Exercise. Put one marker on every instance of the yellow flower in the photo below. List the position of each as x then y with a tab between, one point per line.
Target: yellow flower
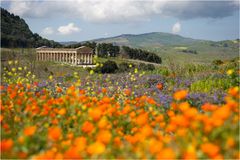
135	70
10	62
91	72
13	69
130	66
230	71
50	77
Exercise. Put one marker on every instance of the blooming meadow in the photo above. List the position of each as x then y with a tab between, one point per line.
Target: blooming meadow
128	115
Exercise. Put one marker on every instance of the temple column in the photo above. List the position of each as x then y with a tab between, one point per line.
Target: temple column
75	58
88	58
59	57
81	58
91	58
71	58
68	60
65	57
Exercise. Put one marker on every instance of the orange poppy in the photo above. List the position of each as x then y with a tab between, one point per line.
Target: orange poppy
210	149
95	113
180	95
159	86
6	145
104	136
29	131
87	127
96	148
54	133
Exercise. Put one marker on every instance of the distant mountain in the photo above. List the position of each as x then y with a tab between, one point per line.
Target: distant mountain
68	43
148	39
16	33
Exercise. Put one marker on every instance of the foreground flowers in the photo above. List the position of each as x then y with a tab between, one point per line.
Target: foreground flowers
37	124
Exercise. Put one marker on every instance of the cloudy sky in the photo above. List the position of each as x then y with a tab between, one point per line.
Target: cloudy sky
79	20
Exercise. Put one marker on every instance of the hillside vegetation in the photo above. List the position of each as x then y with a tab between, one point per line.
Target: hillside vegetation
181	49
16	33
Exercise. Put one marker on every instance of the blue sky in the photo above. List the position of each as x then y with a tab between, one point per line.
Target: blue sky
79	20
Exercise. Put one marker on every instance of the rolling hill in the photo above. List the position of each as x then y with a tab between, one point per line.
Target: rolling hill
178	48
148	39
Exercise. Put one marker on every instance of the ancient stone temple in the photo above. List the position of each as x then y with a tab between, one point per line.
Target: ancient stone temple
78	56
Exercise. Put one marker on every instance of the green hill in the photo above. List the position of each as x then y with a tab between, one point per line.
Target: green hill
16	33
148	39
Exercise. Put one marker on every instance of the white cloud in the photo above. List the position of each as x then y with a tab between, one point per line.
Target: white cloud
116	11
176	28
68	29
47	31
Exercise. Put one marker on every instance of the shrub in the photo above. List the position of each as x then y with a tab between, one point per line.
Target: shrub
109	67
123	67
146	67
150	67
217	62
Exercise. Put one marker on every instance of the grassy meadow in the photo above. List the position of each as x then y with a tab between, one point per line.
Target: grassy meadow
187	110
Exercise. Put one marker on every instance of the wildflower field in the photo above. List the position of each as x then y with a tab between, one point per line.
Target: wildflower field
136	114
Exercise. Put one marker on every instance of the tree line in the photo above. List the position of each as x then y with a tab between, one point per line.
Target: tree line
143	55
111	50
